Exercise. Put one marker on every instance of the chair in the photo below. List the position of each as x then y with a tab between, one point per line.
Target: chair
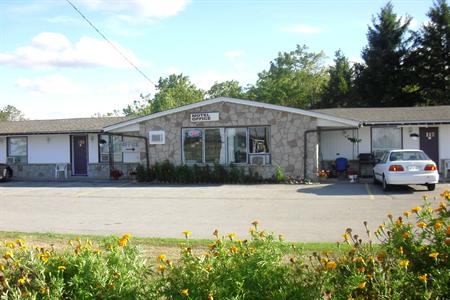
446	167
341	164
60	168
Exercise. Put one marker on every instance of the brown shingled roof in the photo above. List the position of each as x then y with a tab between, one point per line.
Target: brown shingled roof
58	125
380	115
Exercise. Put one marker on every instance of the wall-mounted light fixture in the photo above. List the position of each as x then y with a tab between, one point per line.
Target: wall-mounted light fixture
414	136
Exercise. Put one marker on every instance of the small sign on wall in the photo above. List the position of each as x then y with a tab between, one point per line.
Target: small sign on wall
205	117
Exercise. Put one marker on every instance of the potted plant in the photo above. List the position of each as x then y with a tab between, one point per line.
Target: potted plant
116	174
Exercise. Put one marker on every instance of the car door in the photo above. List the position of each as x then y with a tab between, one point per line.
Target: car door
378	170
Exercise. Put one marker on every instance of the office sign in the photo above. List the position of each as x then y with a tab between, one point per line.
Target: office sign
205	117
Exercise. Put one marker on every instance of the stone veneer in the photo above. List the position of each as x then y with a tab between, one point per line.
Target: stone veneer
47	171
286	135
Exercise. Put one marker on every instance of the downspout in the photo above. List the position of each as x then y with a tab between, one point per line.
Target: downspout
305	142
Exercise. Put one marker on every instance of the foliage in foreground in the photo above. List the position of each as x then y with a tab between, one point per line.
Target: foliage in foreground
411	262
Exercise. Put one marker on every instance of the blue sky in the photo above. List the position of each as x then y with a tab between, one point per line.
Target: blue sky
53	65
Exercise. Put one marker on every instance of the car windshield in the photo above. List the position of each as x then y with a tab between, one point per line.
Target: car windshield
408	155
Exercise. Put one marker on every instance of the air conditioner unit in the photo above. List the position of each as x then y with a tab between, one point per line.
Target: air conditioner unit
11	160
259	160
104	157
156	137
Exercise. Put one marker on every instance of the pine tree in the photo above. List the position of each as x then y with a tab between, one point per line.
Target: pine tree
383	78
430	59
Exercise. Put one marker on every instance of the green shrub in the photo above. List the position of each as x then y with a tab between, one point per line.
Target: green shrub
279	174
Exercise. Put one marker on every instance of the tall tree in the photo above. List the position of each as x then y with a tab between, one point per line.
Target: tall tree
11	113
172	92
338	91
295	79
430	59
230	88
383	79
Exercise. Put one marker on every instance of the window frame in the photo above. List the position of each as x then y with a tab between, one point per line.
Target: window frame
227	159
99	149
383	127
8	150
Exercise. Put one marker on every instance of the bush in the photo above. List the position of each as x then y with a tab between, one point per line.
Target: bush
411	261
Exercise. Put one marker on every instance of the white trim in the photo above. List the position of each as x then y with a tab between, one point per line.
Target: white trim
234	101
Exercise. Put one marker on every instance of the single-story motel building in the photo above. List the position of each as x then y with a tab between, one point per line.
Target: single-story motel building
224	131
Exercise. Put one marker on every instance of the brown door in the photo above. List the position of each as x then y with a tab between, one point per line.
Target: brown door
79	154
429	142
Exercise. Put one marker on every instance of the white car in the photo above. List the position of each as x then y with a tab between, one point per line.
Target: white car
403	167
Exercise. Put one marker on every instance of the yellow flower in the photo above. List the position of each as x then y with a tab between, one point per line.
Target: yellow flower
2	267
161	257
362	285
187	233
434	255
400	250
346	236
161	268
231	236
210	296
20	242
8	254
405	235
437	225
331	265
45	290
234	250
423	278
399	221
404	263
123	241
184	292
416	209
21	281
407	213
61	268
421	224
10	245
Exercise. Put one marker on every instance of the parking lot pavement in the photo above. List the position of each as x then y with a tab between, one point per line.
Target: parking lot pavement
306	213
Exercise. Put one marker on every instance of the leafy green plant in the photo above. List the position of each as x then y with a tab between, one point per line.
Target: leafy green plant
279	174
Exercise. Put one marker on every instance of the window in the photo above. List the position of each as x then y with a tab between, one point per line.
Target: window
103	145
237	145
408	155
385	139
215	151
193	145
226	145
17	149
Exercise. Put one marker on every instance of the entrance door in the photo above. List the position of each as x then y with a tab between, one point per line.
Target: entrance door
429	142
79	154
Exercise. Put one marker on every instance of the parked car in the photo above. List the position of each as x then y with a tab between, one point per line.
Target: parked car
403	167
5	172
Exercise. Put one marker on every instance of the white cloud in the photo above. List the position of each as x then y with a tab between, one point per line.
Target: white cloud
49	49
302	28
148	8
53	84
234	53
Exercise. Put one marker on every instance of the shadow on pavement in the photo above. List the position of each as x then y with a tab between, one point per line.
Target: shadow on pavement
358	189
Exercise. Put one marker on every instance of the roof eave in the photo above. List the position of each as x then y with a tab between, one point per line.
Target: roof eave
50	132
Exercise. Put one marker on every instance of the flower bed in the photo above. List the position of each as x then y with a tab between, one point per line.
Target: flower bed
411	261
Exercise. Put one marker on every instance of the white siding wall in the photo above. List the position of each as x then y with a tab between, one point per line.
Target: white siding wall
365	145
46	149
2	149
334	144
408	142
444	143
93	148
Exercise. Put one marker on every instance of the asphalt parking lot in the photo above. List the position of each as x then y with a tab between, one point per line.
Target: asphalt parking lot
305	213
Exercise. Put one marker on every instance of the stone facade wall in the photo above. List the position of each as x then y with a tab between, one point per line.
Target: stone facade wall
47	171
286	130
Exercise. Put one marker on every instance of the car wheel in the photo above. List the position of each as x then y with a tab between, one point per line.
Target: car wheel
431	186
386	186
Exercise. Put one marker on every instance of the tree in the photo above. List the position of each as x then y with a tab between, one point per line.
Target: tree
172	92
295	79
11	113
229	88
338	91
383	80
430	59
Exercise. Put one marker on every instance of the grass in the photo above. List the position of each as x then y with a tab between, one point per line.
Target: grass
151	247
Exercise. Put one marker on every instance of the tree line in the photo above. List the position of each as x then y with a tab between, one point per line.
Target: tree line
400	67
